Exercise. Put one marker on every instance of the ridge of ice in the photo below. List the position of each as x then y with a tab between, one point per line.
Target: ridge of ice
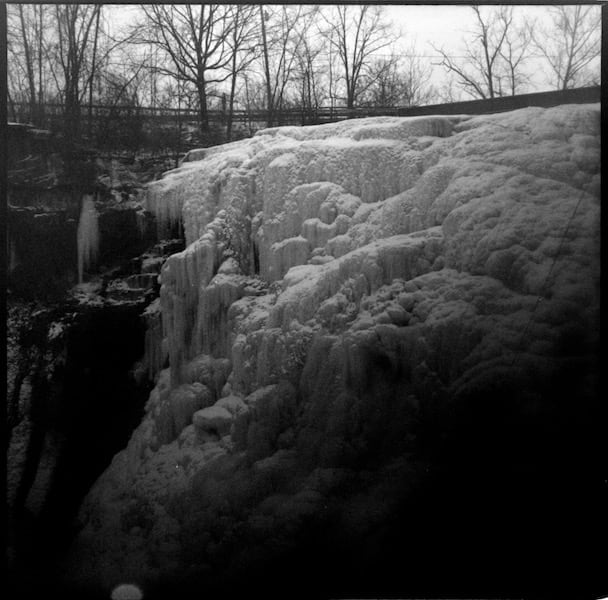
449	247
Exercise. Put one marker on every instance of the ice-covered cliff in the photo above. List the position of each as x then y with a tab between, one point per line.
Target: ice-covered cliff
366	315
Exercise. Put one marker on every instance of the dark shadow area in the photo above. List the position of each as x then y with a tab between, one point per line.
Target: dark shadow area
93	406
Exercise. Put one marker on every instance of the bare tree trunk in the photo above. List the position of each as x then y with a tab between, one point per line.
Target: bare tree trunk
40	44
76	21
196	44
269	99
331	81
203	110
11	104
92	77
356	33
231	100
249	119
179	124
350	98
153	81
28	64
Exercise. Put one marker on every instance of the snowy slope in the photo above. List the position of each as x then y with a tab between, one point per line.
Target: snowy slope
344	288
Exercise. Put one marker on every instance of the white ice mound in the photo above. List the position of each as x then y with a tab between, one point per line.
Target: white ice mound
340	283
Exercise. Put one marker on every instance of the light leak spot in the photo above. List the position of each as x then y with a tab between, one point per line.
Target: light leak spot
126	591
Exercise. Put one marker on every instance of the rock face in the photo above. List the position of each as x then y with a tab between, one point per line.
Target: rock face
382	339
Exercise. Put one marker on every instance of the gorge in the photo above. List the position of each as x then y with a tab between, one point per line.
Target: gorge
375	369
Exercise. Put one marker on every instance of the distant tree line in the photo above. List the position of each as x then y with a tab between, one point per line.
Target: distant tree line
498	52
274	57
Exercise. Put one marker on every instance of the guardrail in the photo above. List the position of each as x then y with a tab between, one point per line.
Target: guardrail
586	95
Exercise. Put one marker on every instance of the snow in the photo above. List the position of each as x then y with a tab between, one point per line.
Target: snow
214	419
402	263
56	330
233	404
87	236
403	256
288	159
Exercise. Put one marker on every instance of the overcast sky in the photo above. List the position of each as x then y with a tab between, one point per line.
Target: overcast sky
445	26
424	21
447	23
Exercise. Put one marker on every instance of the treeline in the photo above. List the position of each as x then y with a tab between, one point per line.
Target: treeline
272	58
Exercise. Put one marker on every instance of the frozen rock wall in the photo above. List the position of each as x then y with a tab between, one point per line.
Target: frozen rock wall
348	292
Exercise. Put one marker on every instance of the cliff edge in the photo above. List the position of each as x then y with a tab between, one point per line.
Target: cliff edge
381	342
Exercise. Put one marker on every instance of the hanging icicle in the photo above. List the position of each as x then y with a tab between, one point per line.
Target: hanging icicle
88	236
141	222
165	203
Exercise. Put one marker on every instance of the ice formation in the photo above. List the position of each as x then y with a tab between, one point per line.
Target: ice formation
341	283
165	201
155	353
88	236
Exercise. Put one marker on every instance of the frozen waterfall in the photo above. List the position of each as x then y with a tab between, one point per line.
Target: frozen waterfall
88	236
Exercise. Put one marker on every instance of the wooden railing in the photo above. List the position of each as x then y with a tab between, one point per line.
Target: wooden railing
110	124
19	111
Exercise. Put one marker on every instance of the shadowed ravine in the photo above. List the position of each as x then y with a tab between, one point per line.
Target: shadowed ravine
78	420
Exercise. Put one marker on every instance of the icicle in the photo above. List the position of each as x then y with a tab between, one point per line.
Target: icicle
155	355
140	221
165	202
88	236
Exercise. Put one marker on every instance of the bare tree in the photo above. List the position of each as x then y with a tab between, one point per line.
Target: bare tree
311	86
284	29
74	28
93	68
480	72
243	44
331	64
417	74
60	54
195	38
396	81
384	84
26	34
29	60
515	52
308	75
448	92
571	45
80	58
356	33
266	55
